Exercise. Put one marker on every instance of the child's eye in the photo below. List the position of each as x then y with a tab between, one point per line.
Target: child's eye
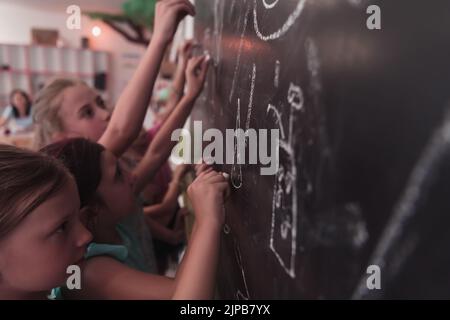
87	113
100	102
62	228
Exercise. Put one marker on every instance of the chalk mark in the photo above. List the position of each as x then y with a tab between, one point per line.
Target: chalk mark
239	294
238	59
417	188
284	202
250	102
286	26
236	169
269	5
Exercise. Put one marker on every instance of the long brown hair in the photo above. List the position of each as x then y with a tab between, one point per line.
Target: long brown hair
27	179
83	159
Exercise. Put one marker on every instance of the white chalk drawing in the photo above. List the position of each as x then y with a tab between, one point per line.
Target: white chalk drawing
295	97
226	229
277	116
270	5
239	294
250	102
206	45
283	233
418	186
283	29
218	28
236	169
239	53
276	80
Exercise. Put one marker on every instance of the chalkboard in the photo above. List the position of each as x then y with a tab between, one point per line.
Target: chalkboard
364	168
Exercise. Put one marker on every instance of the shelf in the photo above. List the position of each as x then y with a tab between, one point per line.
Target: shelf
32	66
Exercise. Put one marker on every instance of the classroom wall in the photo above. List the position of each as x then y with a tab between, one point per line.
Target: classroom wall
17	20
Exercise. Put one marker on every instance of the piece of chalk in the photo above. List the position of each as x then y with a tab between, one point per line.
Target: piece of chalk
208	160
225	175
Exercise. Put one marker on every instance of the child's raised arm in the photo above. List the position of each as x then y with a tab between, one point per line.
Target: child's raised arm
161	146
128	116
197	273
184	54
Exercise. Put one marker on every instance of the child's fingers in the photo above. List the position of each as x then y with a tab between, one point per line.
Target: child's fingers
210	174
202	166
182	11
201	175
187	46
224	188
205	67
215	179
218	177
183	212
185	4
205	170
195	62
206	174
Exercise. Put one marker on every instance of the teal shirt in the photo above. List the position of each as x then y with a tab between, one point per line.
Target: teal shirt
118	252
136	251
136	237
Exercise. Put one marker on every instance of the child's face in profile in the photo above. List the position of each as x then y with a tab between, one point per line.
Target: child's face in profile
35	255
116	188
83	113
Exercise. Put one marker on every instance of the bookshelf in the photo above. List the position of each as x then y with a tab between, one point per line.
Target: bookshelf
30	67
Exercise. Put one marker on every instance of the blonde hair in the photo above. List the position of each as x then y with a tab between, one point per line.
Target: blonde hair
27	179
46	110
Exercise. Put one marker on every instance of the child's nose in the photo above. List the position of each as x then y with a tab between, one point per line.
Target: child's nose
106	116
84	235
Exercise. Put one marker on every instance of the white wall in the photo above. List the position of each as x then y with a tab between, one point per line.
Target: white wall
17	20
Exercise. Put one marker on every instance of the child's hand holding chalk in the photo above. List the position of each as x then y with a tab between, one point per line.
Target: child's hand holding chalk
208	193
168	15
196	74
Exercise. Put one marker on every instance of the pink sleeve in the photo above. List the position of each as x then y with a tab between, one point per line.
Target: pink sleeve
151	133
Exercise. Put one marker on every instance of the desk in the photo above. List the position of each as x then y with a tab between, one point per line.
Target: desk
21	140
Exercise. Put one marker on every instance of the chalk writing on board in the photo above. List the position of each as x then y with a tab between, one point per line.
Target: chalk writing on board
239	53
230	12
421	179
269	5
218	28
206	46
250	102
236	169
239	294
283	29
226	229
283	233
276	80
